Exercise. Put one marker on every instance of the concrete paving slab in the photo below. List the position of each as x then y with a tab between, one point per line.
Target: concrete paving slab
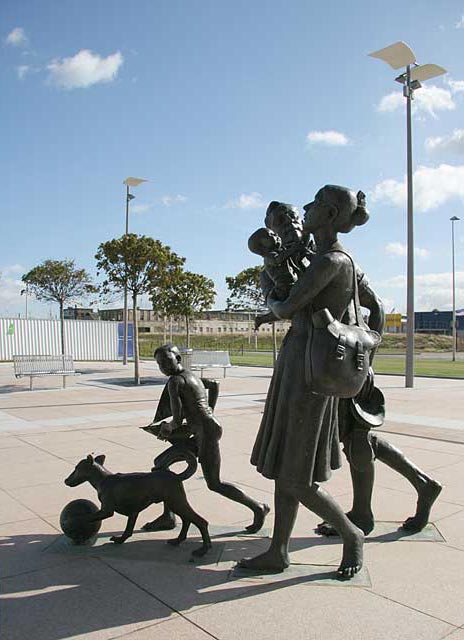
94	415
402	572
20	474
177	629
141	547
11	510
325	575
78	600
288	608
22	546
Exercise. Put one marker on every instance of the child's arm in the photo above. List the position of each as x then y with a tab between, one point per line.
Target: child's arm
174	385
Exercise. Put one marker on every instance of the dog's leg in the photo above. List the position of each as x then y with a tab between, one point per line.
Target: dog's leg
129	530
189	515
182	535
202	525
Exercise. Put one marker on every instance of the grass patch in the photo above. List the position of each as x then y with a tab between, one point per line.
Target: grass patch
423	367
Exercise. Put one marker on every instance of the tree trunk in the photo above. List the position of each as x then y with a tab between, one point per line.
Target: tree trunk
165	329
135	334
187	327
62	328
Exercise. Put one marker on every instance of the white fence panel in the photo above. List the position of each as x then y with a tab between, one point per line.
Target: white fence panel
85	339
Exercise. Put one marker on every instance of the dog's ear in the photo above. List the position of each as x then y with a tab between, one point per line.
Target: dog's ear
90	458
100	459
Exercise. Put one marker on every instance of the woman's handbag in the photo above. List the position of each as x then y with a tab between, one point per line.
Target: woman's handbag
337	355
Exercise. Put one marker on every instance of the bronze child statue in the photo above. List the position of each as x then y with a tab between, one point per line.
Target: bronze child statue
188	399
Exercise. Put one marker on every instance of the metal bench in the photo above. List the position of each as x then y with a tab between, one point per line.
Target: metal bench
202	360
33	366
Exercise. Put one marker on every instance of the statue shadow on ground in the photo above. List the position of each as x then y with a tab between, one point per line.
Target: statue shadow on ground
69	594
129	382
53	589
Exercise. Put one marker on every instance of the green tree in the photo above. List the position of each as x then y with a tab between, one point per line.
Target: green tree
136	262
245	290
59	281
184	294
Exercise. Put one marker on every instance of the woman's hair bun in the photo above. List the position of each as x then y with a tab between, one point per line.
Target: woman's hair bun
360	215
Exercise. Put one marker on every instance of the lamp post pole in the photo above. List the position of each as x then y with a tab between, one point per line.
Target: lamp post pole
125	312
410	237
453	220
400	55
129	182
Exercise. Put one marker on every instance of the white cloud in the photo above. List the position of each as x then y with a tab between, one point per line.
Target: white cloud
22	70
453	142
84	69
17	37
399	249
433	290
169	200
456	86
10	288
391	102
427	100
12	269
329	138
141	208
433	187
246	201
460	23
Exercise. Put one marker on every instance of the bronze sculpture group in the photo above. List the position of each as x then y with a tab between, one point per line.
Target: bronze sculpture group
322	393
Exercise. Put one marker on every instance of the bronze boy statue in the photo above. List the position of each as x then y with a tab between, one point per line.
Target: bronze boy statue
189	400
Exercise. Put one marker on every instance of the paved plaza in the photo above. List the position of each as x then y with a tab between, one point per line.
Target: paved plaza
411	587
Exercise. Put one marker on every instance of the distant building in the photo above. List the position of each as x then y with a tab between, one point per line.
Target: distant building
78	313
206	322
440	322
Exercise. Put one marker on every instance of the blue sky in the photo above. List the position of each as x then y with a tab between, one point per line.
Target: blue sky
224	106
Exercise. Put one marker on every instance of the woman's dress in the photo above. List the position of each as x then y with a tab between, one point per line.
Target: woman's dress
298	437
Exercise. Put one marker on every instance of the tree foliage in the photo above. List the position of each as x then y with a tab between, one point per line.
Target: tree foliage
245	290
59	281
183	294
136	263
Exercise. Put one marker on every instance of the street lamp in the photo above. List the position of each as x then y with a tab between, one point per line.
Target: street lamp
26	292
453	220
129	182
400	55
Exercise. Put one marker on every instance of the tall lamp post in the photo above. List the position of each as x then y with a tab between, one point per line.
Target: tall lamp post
453	220
400	55
129	182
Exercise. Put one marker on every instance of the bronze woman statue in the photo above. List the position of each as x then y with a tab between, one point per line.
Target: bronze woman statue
297	444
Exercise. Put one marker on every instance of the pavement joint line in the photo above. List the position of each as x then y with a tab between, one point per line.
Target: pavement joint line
410	607
148	626
450	546
36	446
420	437
38	516
183	616
79	404
448	516
30	571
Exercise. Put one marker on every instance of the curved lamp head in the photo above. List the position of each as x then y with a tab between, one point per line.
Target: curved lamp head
397	55
134	182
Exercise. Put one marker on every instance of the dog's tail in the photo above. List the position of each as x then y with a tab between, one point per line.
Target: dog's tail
176	454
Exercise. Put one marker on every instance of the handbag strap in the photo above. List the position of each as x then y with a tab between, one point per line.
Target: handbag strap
357	304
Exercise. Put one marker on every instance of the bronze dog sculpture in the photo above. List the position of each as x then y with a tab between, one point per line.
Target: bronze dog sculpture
131	493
